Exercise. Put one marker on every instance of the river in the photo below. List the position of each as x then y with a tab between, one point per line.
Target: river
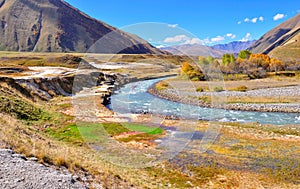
134	98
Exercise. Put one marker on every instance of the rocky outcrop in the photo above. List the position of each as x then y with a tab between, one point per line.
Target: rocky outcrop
45	88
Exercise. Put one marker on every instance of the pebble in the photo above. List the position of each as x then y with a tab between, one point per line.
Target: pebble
17	172
294	91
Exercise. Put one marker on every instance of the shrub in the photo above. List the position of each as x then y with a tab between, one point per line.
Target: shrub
241	88
199	89
244	54
161	85
195	79
218	89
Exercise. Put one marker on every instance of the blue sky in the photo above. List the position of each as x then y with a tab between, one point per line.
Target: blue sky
167	22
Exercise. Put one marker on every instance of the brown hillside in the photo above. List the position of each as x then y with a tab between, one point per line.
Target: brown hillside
281	41
55	26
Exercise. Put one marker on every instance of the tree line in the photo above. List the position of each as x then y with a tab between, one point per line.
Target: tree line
252	65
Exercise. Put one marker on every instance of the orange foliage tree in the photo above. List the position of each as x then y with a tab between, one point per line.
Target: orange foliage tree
191	72
276	65
260	60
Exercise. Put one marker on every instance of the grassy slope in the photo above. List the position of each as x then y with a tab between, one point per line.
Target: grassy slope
289	51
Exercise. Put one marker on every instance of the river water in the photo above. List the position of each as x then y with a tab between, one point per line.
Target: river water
134	98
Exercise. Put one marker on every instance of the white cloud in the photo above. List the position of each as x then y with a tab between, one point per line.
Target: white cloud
217	39
206	41
278	17
193	41
172	25
160	46
183	39
232	36
254	20
176	39
246	20
248	37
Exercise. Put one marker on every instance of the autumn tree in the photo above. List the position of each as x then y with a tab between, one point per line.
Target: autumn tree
260	60
193	73
244	54
275	65
186	67
205	60
227	59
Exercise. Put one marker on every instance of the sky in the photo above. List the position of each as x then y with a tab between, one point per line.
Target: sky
173	22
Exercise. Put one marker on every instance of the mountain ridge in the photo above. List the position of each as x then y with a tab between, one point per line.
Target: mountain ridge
280	40
202	50
234	46
56	26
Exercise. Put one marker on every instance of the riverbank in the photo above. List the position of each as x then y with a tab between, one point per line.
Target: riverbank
17	171
206	99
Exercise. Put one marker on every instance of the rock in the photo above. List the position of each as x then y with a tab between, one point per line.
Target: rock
33	159
6	151
19	156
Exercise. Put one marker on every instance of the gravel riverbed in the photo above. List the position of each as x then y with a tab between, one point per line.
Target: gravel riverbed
16	171
292	91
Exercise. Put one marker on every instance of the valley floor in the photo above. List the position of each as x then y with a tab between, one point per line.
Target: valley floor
243	155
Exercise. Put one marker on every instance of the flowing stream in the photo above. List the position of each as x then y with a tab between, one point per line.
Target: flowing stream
134	98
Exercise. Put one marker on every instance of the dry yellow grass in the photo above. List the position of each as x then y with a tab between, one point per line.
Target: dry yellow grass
250	84
255	100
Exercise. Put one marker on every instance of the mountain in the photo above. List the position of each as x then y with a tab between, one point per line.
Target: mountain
234	47
194	50
282	41
214	51
56	26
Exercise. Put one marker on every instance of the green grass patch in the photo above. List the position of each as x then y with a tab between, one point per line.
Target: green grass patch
80	133
69	133
143	128
98	132
114	128
22	109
